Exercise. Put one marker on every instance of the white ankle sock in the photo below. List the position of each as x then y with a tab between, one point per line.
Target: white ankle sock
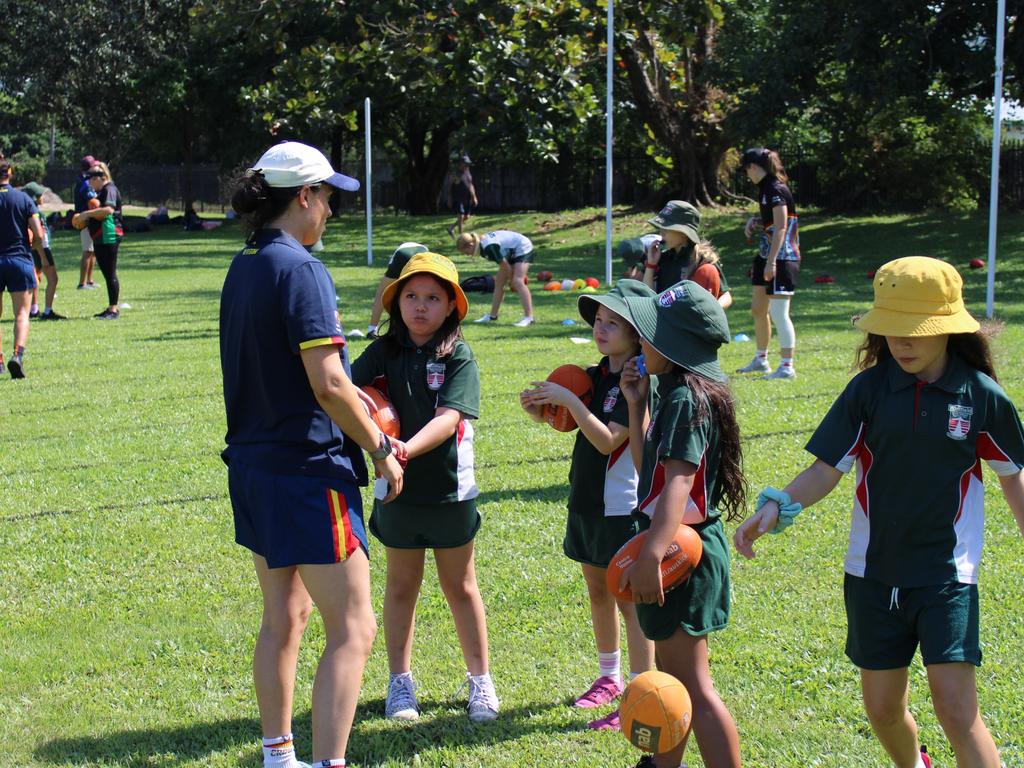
279	752
762	354
609	664
337	762
787	362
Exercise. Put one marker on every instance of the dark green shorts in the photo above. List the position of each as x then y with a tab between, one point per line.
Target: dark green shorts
701	603
524	258
595	540
411	526
886	624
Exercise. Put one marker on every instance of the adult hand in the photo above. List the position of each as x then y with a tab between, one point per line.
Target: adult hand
392	471
769	272
644	579
755	527
750	226
633	386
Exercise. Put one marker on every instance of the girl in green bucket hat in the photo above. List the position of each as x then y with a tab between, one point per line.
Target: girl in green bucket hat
917	422
689	458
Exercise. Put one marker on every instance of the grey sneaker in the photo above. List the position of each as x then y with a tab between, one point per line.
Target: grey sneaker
483	701
782	372
401	702
485	319
757	365
523	322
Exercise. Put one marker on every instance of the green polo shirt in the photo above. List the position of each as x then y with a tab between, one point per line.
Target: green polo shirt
600	485
678	431
418	383
918	512
401	257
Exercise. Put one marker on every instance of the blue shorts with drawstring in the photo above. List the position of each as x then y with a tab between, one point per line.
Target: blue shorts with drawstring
16	274
885	624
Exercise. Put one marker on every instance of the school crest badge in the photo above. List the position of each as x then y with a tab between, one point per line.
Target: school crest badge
610	400
672	295
959	422
435	375
650	427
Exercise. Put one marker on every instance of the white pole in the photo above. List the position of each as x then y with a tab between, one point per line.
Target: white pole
608	147
369	186
993	202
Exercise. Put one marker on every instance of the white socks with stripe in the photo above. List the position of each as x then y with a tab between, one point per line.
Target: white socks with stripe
787	362
279	752
609	664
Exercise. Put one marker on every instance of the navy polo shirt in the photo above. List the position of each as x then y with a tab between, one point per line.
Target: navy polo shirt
16	208
278	300
918	449
83	194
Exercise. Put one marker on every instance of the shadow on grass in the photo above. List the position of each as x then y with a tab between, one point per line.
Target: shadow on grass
373	740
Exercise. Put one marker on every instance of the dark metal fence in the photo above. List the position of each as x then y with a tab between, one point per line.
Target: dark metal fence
508	187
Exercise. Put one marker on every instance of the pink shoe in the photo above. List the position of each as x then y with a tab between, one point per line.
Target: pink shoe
604	690
609	722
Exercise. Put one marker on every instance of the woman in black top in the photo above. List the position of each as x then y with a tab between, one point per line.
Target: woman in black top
777	263
107	230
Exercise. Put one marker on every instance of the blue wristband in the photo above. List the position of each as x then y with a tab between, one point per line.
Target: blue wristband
788	509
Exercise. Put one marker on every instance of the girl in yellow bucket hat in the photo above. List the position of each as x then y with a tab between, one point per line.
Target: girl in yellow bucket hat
427	370
917	422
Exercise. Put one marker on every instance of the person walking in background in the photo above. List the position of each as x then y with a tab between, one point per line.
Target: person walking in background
461	194
513	253
107	230
777	263
83	194
45	264
396	264
18	217
296	425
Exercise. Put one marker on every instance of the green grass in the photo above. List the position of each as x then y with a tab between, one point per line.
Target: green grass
129	614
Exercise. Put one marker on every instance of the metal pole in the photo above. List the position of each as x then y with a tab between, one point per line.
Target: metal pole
608	146
993	201
369	185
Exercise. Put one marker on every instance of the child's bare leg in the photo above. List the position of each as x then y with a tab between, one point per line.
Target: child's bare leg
519	273
504	273
686	658
602	610
955	697
402	590
762	324
885	701
641	650
457	574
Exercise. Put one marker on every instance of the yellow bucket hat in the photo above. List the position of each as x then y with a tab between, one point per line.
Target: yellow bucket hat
918	296
430	264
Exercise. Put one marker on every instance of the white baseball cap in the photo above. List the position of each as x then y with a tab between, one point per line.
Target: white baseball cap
294	164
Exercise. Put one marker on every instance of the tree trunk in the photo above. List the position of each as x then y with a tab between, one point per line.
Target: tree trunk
691	136
426	149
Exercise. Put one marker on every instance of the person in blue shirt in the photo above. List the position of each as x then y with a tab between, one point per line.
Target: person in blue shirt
18	217
296	427
83	194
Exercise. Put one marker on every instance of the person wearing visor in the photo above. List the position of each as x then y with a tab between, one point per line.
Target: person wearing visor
297	426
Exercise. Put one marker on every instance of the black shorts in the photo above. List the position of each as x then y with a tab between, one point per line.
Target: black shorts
39	262
784	282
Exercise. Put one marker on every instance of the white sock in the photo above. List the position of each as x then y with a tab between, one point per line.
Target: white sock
279	752
787	362
337	762
762	354
920	763
609	664
371	329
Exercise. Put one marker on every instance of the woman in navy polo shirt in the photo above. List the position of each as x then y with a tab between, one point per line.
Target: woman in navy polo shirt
296	425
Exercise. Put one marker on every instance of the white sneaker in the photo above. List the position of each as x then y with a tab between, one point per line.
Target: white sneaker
757	365
483	701
782	372
485	319
401	702
523	323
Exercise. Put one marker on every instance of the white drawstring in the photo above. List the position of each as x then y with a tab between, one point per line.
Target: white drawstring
894	599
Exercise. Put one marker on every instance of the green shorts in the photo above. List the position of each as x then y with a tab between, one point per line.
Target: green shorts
595	540
413	526
701	603
886	624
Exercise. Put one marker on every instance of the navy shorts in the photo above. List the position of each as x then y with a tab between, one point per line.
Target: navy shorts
295	519
16	274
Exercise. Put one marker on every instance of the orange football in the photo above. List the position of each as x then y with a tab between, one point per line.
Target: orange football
576	380
384	416
680	559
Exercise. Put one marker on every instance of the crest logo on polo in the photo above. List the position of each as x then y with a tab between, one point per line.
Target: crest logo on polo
673	294
959	421
610	399
435	375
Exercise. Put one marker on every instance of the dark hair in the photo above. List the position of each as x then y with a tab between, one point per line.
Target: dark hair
5	167
972	348
259	203
714	399
447	336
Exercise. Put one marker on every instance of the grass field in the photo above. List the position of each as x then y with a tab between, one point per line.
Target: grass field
129	615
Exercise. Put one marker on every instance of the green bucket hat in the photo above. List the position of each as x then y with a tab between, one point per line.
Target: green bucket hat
686	324
33	190
680	216
587	305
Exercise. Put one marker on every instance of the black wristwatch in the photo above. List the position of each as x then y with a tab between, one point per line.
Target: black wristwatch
384	451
